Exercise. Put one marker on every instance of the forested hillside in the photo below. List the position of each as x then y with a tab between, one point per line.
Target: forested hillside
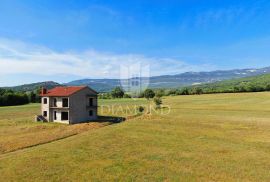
173	81
165	81
33	86
249	84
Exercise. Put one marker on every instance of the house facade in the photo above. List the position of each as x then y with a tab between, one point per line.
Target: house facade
68	105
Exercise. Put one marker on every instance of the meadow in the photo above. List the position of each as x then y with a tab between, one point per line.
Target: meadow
218	137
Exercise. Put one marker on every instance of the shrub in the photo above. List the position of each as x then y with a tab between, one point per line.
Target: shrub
140	109
149	93
158	102
127	96
160	93
117	92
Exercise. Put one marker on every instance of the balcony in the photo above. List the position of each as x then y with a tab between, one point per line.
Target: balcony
62	103
53	107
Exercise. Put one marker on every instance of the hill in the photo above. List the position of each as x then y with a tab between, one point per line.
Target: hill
175	81
248	84
164	81
100	85
33	86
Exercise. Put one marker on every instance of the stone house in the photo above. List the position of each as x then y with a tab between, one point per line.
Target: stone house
70	105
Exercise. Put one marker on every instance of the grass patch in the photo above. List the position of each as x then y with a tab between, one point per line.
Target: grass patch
223	137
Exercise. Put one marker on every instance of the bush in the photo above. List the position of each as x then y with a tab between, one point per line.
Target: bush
140	109
149	93
158	102
160	92
127	96
117	92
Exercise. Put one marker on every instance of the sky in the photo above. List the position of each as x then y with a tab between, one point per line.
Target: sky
42	40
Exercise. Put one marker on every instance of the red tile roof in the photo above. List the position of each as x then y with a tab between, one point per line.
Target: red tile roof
63	91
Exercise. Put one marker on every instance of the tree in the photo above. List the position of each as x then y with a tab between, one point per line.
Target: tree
32	97
172	92
178	92
197	91
160	92
158	102
251	88
149	93
185	91
117	92
10	99
267	87
2	91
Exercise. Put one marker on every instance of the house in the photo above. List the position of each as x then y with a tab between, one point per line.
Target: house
71	105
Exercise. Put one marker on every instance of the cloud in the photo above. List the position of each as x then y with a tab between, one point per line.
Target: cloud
21	58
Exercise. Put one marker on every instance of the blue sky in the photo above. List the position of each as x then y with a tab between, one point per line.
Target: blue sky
74	39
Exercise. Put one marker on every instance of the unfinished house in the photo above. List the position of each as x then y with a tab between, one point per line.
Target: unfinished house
68	105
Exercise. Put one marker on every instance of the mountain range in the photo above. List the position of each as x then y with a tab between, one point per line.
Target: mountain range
164	81
175	81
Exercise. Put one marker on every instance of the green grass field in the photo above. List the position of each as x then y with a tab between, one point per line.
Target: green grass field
221	137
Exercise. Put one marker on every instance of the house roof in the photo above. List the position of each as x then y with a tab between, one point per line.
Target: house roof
64	91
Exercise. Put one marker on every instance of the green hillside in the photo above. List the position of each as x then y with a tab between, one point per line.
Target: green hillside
248	84
155	82
33	86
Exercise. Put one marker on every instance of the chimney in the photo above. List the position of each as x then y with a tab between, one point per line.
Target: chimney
43	91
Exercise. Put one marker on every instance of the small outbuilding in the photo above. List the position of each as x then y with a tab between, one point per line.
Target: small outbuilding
68	104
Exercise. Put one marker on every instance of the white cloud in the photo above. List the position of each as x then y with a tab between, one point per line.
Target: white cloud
20	58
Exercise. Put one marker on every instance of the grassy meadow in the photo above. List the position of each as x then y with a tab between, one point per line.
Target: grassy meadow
219	137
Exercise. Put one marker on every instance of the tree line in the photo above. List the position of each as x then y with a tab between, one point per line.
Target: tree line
226	87
11	98
253	84
118	92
